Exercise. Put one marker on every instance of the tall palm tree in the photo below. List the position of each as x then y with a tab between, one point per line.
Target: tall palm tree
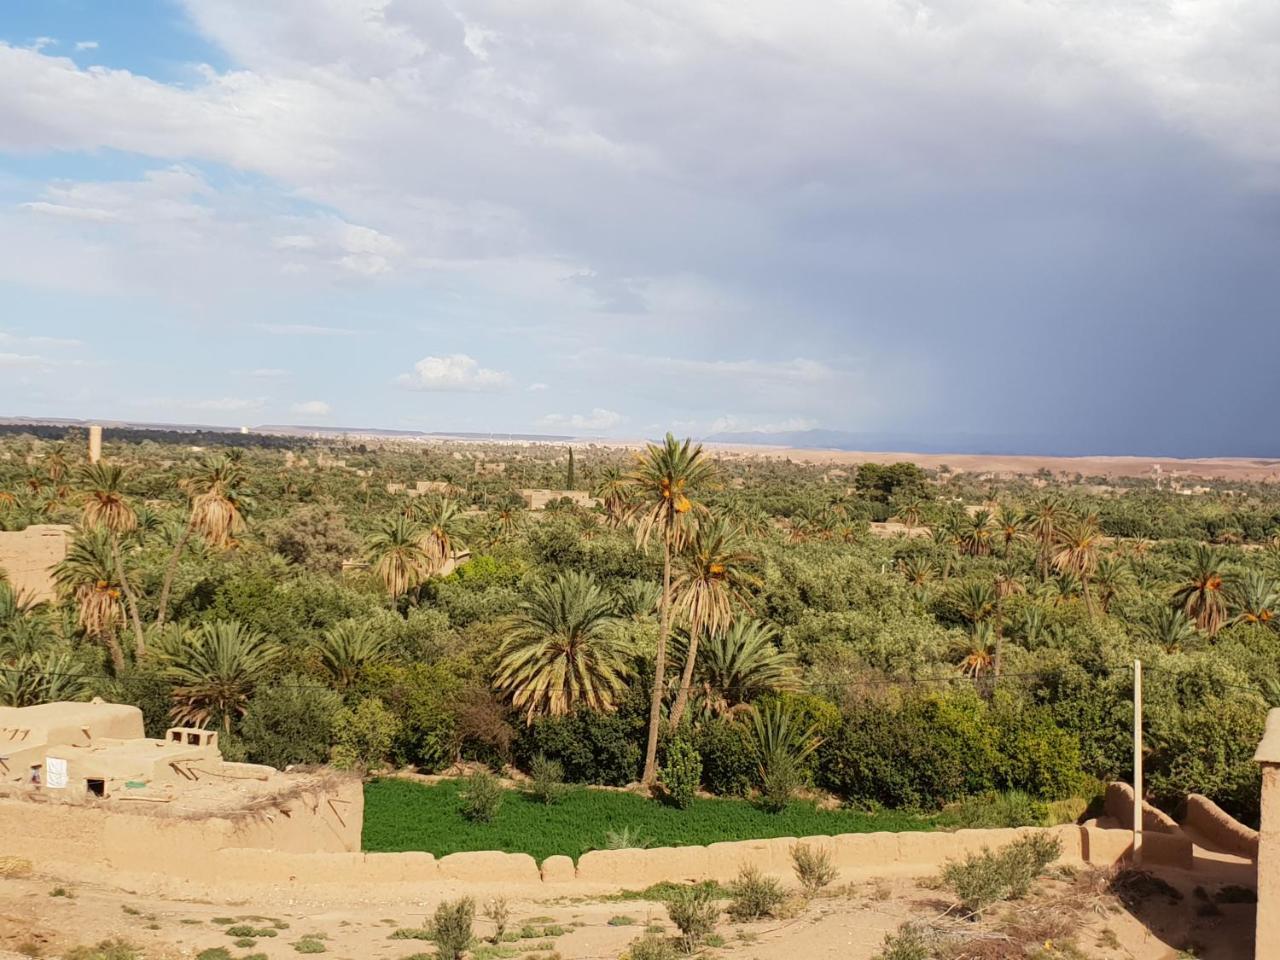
441	522
105	506
977	534
1011	526
712	572
664	477
1043	521
1203	593
217	505
214	670
741	664
398	558
910	512
1255	598
975	601
1110	578
347	648
559	652
612	490
1077	542
87	575
1006	584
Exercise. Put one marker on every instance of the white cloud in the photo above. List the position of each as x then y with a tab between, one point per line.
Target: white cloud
228	404
21	360
454	372
536	387
732	424
40	341
86	44
799	370
268	373
306	330
597	419
312	408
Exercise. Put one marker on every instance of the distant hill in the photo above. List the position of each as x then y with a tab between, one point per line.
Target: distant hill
891	442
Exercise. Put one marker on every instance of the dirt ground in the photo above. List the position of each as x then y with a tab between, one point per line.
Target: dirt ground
44	918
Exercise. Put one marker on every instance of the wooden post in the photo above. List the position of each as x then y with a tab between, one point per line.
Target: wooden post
1137	763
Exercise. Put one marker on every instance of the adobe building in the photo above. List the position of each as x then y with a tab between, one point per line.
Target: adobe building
97	755
538	499
28	557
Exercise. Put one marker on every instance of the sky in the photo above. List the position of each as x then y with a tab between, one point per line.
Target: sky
1050	220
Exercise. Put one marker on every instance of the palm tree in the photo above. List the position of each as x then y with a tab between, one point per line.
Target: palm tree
1006	584
1011	526
740	665
910	512
1169	627
917	569
87	575
638	599
975	601
976	535
105	507
612	490
664	477
1203	594
1255	598
214	670
783	742
1043	522
560	652
441	522
41	678
1077	541
1109	579
347	648
977	655
398	558
711	574
217	505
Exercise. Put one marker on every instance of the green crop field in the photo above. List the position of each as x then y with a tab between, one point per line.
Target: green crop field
402	815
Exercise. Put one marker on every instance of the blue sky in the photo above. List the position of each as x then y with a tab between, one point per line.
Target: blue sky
921	218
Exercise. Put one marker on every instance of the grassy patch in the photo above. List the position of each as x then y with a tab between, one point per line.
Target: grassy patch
401	815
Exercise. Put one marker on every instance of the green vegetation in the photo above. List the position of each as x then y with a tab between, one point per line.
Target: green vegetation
982	879
728	626
402	815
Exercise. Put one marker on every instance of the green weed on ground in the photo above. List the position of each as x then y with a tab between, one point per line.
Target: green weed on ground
401	815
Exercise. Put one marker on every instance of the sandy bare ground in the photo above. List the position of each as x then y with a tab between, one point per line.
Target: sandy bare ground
848	922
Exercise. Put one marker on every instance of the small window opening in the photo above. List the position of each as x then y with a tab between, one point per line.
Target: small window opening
175	736
193	739
97	787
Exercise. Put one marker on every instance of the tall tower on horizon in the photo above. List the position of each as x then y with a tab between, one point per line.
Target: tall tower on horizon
95	442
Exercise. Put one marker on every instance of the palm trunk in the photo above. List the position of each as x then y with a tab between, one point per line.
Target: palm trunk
999	655
686	681
650	774
139	641
170	570
1088	597
115	651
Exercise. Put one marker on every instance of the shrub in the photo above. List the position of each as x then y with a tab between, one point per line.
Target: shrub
982	879
592	747
451	927
626	838
498	912
481	797
1010	808
290	722
364	734
694	912
651	946
754	895
546	783
728	761
813	867
911	942
682	772
784	739
105	950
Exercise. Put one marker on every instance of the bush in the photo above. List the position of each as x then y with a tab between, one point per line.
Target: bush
651	946
290	722
694	912
1010	808
755	895
813	867
451	927
497	911
682	772
982	879
546	783
592	747
481	797
911	942
728	760
364	735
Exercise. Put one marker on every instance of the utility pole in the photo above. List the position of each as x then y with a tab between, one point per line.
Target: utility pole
1137	763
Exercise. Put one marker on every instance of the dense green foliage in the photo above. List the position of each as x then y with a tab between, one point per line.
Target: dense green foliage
402	815
290	593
